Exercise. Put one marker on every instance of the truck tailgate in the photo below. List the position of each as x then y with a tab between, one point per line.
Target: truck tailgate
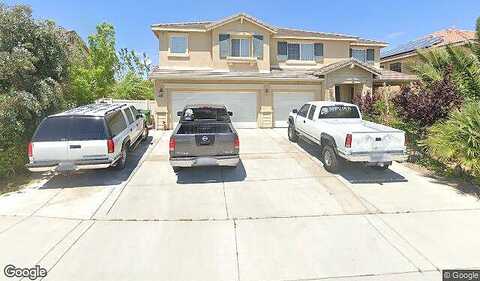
204	140
377	138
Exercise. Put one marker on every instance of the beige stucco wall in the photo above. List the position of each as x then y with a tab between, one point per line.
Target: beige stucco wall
403	61
356	76
238	27
264	91
199	51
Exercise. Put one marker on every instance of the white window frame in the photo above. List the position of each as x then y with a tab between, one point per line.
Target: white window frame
363	50
250	46
170	53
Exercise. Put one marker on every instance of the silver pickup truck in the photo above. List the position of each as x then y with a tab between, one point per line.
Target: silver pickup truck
204	136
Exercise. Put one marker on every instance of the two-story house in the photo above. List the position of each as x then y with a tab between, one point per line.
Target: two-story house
399	58
259	71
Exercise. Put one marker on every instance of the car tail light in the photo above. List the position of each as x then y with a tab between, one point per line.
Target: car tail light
236	143
172	144
30	149
110	146
348	141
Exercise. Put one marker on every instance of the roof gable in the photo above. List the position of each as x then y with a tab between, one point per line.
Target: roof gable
241	17
347	63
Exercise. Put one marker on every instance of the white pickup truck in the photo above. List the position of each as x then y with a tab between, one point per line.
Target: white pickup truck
339	130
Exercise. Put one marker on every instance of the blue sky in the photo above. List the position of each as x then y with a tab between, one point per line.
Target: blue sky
391	21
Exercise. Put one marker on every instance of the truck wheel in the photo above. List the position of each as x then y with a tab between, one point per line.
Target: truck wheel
176	169
330	159
292	134
383	166
123	158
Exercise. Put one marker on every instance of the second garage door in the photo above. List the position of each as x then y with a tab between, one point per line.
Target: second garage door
243	105
283	103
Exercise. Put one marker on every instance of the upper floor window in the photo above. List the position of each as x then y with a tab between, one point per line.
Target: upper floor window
246	47
396	66
299	51
240	47
178	44
363	55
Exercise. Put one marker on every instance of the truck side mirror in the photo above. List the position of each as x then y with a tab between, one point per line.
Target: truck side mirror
139	116
179	113
294	110
230	113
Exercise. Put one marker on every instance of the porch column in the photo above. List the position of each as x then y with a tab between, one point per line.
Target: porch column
161	110
265	118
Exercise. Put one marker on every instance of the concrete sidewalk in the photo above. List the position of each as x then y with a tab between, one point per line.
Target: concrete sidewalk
277	216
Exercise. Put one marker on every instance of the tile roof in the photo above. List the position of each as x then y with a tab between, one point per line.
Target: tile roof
279	31
209	74
344	63
435	39
389	75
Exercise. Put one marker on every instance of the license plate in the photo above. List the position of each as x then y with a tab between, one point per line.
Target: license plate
64	167
206	161
380	157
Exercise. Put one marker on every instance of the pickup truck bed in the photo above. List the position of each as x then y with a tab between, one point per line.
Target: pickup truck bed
204	143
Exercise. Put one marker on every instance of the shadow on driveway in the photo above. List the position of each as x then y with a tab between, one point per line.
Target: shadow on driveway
356	172
211	174
101	177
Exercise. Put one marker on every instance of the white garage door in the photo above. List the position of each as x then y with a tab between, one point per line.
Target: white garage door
243	105
283	103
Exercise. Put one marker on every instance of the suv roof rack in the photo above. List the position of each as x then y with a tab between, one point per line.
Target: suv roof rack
97	109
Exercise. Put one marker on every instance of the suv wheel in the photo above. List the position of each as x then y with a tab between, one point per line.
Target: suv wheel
123	158
330	159
292	134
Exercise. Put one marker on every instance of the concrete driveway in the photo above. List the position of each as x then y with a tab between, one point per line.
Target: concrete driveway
277	216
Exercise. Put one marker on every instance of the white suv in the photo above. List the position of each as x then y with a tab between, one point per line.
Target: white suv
93	136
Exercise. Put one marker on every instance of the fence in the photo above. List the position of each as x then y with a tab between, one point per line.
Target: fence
149	105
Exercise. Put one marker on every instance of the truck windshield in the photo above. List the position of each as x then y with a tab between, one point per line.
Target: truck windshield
338	111
206	113
67	128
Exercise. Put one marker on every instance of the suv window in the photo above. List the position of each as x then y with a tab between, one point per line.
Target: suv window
128	112
116	123
311	112
303	111
87	128
75	128
53	129
134	111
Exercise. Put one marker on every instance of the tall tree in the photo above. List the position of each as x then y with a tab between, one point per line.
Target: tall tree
96	77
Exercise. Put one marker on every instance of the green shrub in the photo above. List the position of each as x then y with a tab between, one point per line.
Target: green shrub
457	139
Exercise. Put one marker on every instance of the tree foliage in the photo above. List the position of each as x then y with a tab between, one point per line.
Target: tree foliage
458	138
425	106
34	63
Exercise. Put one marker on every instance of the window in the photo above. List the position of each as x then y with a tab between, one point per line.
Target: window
359	54
311	112
293	51
370	55
87	128
338	111
304	110
71	128
258	46
178	44
129	115
116	123
297	51
306	52
397	66
224	44
134	111
240	47
53	129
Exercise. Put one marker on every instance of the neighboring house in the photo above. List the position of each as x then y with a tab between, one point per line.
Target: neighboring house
259	71
397	59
